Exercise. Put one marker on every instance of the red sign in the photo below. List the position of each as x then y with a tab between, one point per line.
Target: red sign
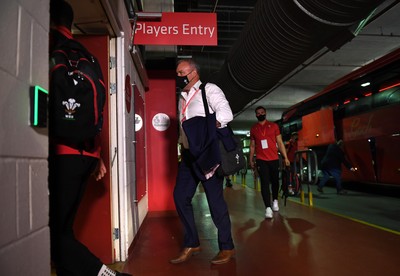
178	29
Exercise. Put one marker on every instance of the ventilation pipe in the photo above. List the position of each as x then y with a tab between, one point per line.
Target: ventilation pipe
281	35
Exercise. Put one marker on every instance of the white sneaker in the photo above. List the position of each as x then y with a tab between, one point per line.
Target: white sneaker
268	212
275	205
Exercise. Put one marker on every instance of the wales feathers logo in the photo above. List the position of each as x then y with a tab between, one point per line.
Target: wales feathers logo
70	108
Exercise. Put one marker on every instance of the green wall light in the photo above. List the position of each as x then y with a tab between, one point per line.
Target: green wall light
39	98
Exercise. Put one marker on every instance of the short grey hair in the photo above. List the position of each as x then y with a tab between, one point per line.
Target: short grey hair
193	64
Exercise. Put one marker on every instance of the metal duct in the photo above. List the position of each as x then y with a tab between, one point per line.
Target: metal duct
278	37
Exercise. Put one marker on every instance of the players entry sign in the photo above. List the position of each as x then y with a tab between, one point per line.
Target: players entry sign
177	28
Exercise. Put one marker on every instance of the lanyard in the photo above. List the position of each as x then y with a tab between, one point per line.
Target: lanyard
263	129
184	106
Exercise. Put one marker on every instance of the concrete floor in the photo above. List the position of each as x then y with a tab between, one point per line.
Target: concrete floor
299	240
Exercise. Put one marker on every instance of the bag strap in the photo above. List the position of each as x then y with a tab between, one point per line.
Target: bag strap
203	95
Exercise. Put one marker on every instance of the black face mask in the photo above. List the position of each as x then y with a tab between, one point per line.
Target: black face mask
181	82
261	118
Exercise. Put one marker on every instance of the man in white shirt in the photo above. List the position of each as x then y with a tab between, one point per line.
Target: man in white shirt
190	106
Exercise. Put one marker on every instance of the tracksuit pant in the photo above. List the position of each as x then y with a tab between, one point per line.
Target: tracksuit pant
68	175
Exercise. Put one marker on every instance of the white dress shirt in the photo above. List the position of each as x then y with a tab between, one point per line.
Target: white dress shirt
191	104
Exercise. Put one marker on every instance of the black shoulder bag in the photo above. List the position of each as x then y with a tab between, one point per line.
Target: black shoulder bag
230	146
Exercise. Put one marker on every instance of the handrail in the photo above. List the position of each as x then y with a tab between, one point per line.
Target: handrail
307	174
312	167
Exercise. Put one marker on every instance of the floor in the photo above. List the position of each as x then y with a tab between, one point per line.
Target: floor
355	234
339	235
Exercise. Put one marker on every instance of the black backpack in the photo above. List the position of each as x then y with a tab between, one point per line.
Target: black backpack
77	95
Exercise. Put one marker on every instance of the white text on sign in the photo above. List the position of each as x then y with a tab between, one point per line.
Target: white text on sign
185	29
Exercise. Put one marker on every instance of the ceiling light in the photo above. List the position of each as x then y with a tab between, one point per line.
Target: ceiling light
365	84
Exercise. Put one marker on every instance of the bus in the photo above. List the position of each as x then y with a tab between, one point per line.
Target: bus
362	109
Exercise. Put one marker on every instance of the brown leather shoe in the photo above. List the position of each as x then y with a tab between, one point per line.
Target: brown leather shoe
223	256
185	254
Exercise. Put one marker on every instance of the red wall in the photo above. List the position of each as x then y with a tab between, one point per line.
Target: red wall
162	155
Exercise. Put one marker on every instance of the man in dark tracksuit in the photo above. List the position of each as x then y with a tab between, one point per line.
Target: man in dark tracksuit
70	166
331	165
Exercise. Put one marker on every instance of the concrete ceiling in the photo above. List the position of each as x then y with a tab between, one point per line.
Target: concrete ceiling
379	37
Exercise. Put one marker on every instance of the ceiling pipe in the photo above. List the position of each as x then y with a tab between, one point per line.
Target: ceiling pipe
281	35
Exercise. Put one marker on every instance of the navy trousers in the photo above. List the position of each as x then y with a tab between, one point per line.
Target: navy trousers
185	189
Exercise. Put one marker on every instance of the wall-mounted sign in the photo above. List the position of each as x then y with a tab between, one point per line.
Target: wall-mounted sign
178	28
138	122
161	121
